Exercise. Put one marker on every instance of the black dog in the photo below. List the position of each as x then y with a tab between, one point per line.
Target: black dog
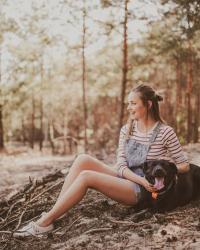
174	189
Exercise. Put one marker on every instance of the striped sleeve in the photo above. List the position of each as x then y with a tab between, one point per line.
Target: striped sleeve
171	142
121	157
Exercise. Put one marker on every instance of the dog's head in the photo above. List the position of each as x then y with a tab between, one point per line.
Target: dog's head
160	173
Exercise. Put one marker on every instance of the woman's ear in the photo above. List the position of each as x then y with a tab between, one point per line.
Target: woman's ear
149	104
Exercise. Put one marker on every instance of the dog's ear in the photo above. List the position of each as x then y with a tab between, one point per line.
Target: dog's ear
173	167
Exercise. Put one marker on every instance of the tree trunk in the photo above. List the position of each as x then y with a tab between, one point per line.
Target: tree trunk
32	141
41	125
1	128
41	108
83	79
64	135
197	101
51	135
178	87
197	116
1	112
23	131
189	92
124	67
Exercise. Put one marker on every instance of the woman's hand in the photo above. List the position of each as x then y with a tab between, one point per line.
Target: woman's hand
128	174
148	186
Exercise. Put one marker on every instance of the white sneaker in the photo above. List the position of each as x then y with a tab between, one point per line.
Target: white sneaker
32	229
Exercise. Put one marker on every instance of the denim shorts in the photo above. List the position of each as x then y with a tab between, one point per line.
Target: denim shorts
136	188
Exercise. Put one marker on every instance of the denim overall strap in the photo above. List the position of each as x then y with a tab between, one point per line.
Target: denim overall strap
136	152
154	134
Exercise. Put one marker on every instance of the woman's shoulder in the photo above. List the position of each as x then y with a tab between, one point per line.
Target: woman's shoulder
167	132
165	127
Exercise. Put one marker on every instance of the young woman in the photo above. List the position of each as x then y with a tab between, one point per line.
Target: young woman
145	137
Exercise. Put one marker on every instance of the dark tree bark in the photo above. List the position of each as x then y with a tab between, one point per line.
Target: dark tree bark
189	93
178	88
65	143
84	79
124	67
1	113
189	34
32	139
1	128
197	116
50	135
197	101
41	138
23	131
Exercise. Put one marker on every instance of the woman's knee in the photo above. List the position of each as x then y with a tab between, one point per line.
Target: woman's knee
83	157
86	177
81	160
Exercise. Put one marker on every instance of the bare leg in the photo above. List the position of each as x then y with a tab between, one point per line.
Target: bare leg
116	188
85	162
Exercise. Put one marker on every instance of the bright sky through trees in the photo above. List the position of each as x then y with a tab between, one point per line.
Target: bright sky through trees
57	19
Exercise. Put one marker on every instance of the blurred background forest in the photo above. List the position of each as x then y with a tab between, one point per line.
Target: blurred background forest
66	68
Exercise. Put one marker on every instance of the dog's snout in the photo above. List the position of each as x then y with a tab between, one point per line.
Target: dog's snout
159	172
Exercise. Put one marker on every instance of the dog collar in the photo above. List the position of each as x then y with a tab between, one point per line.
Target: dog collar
154	195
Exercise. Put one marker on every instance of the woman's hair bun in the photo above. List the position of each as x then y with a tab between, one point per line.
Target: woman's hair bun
159	98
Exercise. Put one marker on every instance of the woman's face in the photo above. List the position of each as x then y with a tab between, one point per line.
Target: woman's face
136	107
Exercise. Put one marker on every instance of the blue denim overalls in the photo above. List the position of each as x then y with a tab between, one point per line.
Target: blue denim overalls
136	155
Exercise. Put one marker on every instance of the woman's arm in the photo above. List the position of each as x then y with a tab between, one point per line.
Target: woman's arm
172	143
121	156
128	174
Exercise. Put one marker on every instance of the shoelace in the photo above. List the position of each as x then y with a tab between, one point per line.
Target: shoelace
34	227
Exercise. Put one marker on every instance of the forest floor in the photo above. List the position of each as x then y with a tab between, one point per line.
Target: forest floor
96	222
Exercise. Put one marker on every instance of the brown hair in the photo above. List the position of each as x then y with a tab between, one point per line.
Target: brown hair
147	93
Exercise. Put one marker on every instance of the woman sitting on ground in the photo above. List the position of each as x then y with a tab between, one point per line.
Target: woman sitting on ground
144	137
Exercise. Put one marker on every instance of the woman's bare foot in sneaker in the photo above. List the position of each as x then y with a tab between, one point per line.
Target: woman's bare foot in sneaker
33	229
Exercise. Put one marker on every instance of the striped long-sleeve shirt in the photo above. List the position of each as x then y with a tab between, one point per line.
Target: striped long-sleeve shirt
166	145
